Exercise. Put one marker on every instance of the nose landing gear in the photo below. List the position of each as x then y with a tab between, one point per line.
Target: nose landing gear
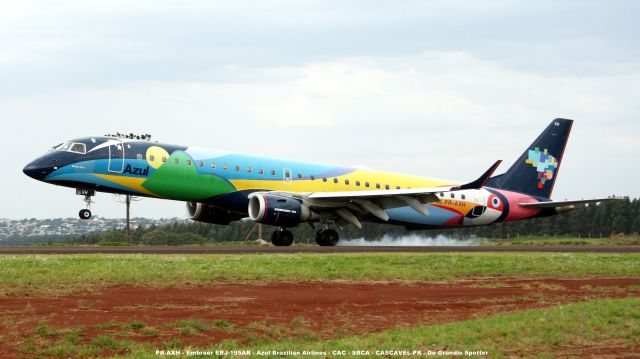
86	213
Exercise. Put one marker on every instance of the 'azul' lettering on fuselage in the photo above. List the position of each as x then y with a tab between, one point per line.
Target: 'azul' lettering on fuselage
136	170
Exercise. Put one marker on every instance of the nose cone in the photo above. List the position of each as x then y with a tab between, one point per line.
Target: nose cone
36	170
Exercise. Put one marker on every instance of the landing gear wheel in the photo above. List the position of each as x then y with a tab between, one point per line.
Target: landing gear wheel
84	214
327	237
281	237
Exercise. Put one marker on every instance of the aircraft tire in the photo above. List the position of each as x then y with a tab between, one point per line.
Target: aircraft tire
84	214
281	237
327	237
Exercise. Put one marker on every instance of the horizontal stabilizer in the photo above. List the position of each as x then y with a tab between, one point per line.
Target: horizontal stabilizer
480	182
554	204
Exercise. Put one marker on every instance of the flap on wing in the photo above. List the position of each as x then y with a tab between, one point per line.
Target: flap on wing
553	204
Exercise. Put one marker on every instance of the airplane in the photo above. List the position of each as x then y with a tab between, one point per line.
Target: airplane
221	187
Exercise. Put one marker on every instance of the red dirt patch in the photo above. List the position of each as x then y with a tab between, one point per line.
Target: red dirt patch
330	309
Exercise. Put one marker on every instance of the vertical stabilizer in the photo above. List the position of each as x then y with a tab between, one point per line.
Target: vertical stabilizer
535	172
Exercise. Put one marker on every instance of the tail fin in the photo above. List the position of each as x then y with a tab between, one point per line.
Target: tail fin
535	172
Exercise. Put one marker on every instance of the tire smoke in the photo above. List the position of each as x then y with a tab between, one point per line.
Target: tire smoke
410	240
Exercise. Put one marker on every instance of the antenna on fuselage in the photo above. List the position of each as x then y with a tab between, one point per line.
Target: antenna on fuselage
131	136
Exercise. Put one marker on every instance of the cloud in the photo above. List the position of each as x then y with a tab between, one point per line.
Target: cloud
439	114
427	88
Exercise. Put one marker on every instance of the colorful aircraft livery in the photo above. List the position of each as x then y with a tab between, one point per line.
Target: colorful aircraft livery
544	163
220	187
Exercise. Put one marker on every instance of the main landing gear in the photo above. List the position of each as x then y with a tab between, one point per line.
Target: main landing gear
86	213
281	237
327	237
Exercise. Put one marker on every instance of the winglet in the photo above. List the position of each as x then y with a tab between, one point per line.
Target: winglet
480	182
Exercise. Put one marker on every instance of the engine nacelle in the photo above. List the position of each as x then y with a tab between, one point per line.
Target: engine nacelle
205	213
279	211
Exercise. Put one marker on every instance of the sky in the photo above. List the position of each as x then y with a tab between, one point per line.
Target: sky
431	88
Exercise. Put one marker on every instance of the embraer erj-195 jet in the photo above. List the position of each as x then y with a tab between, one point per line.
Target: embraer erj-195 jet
221	187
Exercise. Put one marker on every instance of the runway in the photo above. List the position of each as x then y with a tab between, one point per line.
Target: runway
268	249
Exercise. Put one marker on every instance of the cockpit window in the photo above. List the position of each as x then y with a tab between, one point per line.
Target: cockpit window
72	147
78	148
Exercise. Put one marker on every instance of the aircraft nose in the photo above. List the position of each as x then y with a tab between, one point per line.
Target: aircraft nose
36	170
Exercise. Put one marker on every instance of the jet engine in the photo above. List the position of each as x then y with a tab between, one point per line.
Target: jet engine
205	213
279	211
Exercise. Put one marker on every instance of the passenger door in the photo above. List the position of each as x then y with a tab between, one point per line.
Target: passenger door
116	157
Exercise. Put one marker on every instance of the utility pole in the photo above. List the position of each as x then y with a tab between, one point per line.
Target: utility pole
127	235
128	198
259	226
127	202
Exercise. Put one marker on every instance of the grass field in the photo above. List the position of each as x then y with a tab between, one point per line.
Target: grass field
48	274
532	333
575	330
592	326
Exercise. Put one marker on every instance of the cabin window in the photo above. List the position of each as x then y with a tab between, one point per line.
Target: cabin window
201	164
378	185
335	180
273	172
397	187
164	159
237	168
346	182
176	161
299	175
312	177
366	184
463	197
249	169
386	186
260	171
213	165
188	162
324	179
139	156
153	158
453	195
358	183
225	167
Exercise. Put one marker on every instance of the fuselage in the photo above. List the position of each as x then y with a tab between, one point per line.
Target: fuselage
224	180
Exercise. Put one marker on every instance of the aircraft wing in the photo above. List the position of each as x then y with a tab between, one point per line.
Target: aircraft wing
553	204
349	205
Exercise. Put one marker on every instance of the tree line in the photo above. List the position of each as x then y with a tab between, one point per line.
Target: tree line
594	221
